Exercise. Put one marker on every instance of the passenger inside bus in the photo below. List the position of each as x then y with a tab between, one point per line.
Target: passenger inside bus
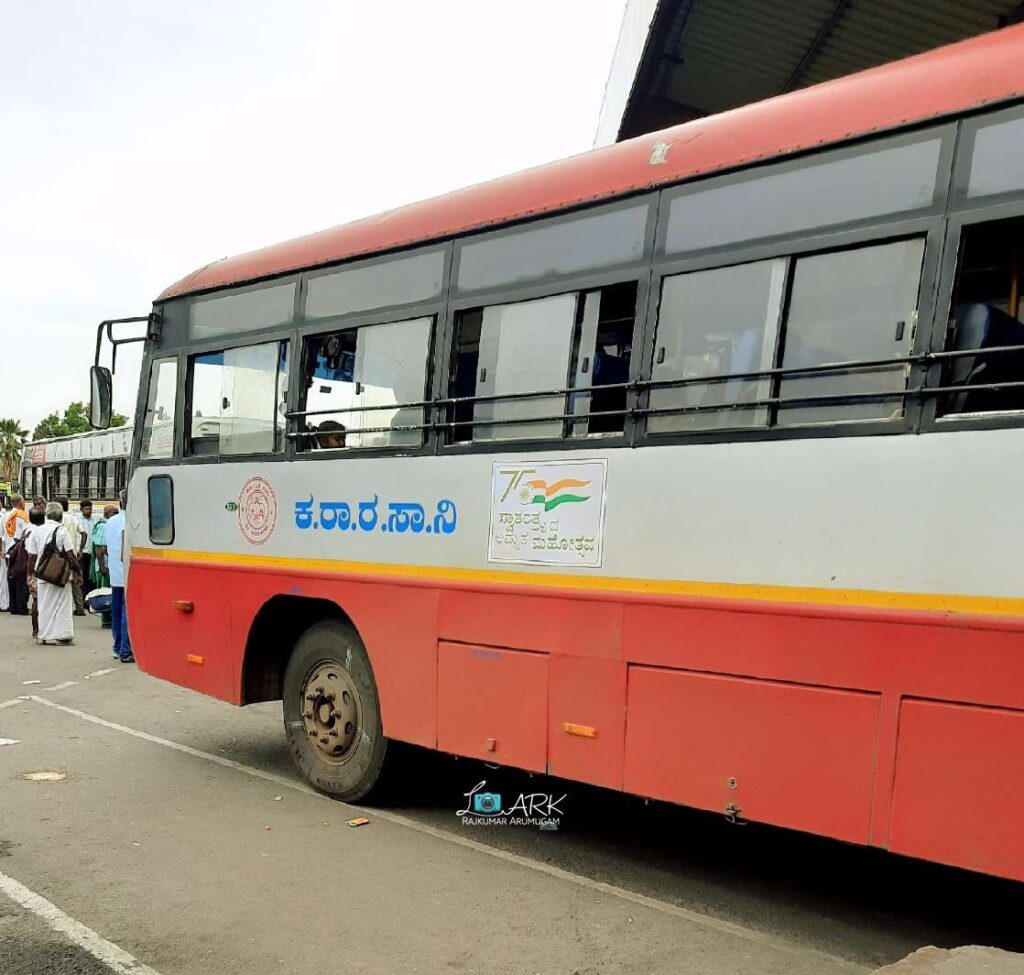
369	383
987	313
330	435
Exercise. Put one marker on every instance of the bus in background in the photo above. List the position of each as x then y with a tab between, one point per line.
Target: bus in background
688	467
91	466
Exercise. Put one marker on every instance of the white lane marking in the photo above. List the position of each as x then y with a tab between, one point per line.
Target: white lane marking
11	702
27	682
116	959
61	686
98	673
9	741
703	920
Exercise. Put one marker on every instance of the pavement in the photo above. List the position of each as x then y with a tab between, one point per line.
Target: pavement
146	829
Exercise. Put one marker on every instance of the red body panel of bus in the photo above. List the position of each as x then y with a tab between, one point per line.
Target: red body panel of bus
981	71
879	727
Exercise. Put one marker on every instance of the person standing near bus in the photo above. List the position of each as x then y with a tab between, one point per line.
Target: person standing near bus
12	526
16	519
55	603
5	603
100	573
74	530
36	518
86	523
17	572
114	537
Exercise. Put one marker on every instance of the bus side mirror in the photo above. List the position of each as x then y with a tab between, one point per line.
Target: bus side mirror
101	389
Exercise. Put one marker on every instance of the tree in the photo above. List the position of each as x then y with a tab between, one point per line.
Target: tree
75	420
12	439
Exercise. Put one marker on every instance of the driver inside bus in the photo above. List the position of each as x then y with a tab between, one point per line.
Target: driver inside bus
330	435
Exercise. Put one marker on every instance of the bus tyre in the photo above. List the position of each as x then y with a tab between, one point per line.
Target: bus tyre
332	712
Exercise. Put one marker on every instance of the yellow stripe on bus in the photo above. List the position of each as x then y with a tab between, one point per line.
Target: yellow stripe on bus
820	596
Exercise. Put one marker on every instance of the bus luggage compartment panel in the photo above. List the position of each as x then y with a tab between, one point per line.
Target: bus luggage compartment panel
956	799
788	754
492	704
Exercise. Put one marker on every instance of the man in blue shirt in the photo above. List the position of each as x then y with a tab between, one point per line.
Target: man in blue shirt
114	538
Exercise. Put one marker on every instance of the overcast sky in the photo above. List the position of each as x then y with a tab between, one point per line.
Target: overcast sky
144	139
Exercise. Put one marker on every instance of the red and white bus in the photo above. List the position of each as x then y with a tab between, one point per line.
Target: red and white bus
690	467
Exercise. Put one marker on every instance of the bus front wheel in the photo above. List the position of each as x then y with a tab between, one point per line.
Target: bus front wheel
332	712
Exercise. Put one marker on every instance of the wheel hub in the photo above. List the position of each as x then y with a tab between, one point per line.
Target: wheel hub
331	711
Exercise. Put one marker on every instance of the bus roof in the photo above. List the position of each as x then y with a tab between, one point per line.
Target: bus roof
82	434
981	71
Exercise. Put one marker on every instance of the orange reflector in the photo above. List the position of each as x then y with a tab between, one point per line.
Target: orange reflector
580	730
194	658
183	605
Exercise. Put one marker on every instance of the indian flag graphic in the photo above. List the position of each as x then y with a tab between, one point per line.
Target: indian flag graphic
565	491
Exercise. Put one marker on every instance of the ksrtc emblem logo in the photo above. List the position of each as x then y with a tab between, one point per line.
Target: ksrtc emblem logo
257	510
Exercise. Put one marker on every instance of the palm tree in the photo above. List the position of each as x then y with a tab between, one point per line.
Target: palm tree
12	440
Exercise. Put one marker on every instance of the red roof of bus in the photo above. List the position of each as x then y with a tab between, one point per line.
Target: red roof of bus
981	71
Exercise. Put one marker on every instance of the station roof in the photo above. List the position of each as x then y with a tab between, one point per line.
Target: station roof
985	70
681	59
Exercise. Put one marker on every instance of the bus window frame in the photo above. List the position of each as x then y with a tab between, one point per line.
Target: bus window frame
793	247
152	358
931	421
946	132
149	507
493	295
436	309
354	320
185	340
153	354
547	288
445	247
234	341
970	125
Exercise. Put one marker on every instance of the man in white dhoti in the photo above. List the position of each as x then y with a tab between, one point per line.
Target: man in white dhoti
56	604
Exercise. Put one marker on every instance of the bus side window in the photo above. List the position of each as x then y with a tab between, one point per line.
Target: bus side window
604	352
710	324
237	400
987	313
849	305
364	386
504	351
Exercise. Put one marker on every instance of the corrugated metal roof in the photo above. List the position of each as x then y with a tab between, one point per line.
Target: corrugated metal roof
707	56
983	71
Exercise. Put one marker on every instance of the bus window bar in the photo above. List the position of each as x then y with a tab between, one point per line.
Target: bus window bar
449	424
972	387
791	402
462	400
302	434
793	372
511	420
781	402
